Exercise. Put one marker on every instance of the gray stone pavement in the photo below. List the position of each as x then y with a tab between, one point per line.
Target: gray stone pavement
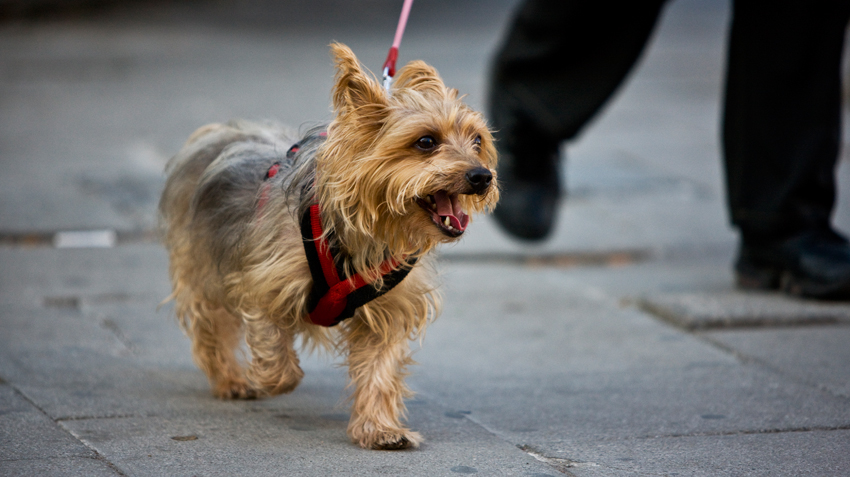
618	347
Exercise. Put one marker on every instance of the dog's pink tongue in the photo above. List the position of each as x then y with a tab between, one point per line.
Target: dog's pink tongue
449	206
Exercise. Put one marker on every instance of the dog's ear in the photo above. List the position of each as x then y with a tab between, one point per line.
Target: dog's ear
419	76
355	90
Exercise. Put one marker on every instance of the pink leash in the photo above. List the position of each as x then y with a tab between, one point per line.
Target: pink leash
392	56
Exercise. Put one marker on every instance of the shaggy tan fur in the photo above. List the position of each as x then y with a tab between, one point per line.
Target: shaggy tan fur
238	266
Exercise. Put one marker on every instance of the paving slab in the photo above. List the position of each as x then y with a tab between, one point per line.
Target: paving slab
125	410
574	367
808	452
279	437
698	311
118	376
31	443
73	367
73	279
59	467
818	355
27	434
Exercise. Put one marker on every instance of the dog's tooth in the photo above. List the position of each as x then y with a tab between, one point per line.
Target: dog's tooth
447	222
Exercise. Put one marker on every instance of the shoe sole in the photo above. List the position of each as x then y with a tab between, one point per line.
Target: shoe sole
768	279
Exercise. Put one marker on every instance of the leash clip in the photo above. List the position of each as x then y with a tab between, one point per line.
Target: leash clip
392	56
387	78
389	67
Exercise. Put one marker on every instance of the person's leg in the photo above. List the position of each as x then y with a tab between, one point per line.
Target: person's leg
781	136
560	62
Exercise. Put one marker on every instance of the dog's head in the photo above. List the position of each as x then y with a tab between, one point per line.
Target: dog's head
405	168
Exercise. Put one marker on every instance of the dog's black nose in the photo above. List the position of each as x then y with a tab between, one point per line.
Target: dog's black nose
479	179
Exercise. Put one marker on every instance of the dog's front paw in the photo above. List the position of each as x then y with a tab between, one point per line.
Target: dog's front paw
403	439
395	442
235	390
396	439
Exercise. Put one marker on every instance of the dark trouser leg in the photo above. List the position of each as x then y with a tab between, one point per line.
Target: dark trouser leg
781	138
781	129
563	59
560	62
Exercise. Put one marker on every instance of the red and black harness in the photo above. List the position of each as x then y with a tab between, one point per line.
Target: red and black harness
335	296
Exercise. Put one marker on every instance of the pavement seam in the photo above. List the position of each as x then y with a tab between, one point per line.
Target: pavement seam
745	432
748	359
554	260
107	323
561	464
97	455
88	418
557	464
39	459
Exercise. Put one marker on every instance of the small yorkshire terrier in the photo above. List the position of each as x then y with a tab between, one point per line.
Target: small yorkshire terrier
326	237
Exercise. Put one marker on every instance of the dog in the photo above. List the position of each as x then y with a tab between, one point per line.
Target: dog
326	237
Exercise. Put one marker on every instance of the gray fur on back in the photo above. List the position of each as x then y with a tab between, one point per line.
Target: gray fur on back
231	175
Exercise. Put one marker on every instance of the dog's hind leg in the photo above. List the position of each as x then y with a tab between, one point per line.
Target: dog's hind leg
377	368
215	337
274	367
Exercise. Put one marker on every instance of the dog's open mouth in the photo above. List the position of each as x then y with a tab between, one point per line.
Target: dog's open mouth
446	212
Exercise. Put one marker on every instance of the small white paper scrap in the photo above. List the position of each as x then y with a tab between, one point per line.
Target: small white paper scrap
85	239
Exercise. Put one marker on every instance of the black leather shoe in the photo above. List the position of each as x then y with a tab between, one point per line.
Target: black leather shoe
527	210
530	190
813	264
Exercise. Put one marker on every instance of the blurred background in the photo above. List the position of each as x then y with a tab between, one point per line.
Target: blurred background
95	96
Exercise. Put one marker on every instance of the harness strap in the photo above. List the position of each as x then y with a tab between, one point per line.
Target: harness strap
273	170
332	298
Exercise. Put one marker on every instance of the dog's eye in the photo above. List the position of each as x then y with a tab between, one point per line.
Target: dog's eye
425	143
476	143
